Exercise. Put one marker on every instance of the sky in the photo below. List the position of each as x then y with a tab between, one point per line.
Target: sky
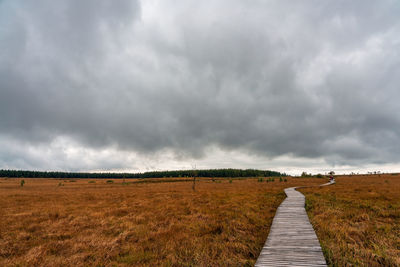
292	86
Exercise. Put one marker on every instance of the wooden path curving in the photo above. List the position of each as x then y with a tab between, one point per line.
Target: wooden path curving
292	240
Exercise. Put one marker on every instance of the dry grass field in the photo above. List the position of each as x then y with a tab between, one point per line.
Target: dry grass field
50	222
358	220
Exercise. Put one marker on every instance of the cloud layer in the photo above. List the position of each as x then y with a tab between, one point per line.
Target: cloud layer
133	81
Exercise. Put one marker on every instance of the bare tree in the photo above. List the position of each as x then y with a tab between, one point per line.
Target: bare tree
194	173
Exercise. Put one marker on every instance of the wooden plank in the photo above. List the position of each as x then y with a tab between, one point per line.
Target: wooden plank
292	240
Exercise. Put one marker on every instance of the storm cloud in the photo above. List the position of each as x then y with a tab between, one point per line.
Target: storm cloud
99	84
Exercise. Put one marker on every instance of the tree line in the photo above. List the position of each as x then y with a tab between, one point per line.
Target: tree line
153	174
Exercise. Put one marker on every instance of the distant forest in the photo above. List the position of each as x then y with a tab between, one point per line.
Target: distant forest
154	174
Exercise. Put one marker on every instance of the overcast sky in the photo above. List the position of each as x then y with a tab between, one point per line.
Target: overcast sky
127	85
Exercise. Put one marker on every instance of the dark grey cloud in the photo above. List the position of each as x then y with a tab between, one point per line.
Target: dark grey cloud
306	79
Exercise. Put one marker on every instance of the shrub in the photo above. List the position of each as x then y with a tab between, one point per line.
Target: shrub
260	180
230	181
110	182
22	182
92	182
280	179
304	174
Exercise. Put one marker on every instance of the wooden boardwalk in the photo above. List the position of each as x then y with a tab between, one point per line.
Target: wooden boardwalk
292	240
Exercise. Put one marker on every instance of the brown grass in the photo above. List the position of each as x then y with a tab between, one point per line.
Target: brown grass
94	223
358	220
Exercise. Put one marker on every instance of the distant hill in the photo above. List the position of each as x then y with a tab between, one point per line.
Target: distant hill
154	174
